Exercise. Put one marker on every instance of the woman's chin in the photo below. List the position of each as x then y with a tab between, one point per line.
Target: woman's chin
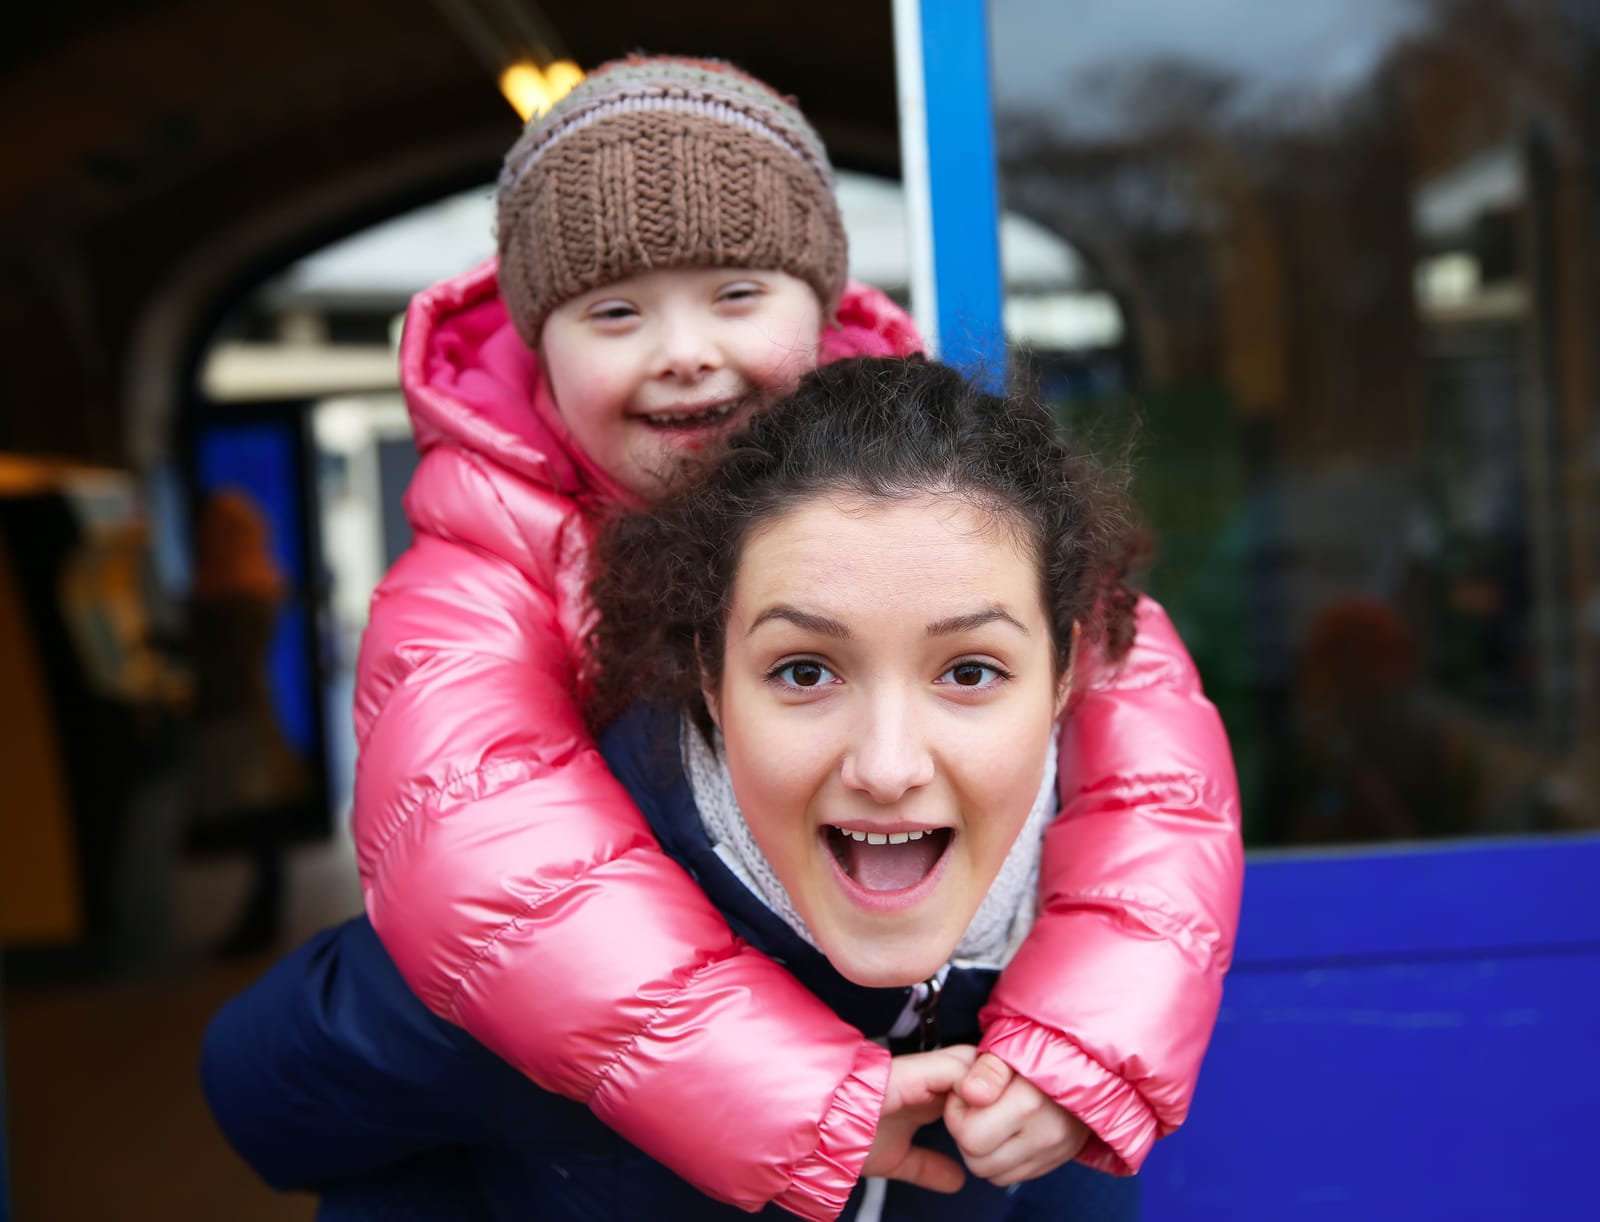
885	963
890	938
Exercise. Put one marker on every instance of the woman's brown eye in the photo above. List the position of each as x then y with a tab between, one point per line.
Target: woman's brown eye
806	674
968	674
803	674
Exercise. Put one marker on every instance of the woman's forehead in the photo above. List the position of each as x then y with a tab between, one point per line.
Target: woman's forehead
927	557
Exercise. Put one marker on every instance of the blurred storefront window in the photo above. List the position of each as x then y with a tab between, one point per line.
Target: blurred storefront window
1337	277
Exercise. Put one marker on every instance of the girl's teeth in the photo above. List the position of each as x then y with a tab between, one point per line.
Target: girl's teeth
899	837
881	837
710	413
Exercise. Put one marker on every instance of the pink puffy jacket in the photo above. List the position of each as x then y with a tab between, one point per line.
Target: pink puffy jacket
523	897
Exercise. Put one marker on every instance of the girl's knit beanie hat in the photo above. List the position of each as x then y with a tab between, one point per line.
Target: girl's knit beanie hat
657	162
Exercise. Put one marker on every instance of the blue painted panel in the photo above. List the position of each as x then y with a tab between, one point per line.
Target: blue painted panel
1453	1089
1407	1034
1473	897
961	173
261	459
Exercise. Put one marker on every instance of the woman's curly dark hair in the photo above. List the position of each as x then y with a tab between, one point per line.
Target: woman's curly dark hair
885	428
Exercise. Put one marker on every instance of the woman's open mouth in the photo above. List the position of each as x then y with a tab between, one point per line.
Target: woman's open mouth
887	864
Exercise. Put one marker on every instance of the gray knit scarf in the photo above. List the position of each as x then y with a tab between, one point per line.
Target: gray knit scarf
1003	918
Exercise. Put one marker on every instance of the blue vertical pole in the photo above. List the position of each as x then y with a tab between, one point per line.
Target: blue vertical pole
948	157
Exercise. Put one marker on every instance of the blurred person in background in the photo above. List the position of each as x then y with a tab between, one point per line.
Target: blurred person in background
246	782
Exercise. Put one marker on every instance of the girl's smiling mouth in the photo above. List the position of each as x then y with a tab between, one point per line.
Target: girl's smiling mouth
692	417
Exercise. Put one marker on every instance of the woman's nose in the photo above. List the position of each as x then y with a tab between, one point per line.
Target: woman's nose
890	755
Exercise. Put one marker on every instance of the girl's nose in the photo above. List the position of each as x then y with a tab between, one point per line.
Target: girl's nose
890	756
688	349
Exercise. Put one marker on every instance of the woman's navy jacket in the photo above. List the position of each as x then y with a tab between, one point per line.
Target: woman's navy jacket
328	1074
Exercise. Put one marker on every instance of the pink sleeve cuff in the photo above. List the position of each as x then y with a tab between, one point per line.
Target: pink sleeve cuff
1123	1124
822	1181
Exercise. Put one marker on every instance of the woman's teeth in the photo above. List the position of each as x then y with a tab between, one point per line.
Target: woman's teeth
882	837
887	861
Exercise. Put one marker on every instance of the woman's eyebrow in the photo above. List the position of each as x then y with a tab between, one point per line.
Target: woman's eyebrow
977	619
802	619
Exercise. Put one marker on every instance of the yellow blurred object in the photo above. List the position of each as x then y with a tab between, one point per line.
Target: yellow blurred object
562	77
523	85
40	898
532	91
28	474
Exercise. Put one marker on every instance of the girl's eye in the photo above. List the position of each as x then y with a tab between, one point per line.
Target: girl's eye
743	291
804	674
973	674
612	311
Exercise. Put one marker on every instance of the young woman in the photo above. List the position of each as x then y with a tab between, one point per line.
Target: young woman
832	671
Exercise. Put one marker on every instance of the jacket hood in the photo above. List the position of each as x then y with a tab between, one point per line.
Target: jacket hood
470	381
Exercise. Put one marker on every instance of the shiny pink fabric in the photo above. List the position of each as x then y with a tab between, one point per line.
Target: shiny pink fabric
523	897
1109	1003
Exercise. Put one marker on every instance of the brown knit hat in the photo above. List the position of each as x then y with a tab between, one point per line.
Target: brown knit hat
658	162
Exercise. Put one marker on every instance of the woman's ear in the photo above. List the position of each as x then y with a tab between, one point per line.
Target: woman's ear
1064	686
708	689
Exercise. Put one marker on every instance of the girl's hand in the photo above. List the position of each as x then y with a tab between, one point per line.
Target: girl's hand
1007	1129
919	1085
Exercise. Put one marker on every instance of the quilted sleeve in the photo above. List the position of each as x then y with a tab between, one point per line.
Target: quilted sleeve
1109	1004
523	897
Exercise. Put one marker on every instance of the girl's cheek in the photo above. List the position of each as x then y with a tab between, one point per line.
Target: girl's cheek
785	375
